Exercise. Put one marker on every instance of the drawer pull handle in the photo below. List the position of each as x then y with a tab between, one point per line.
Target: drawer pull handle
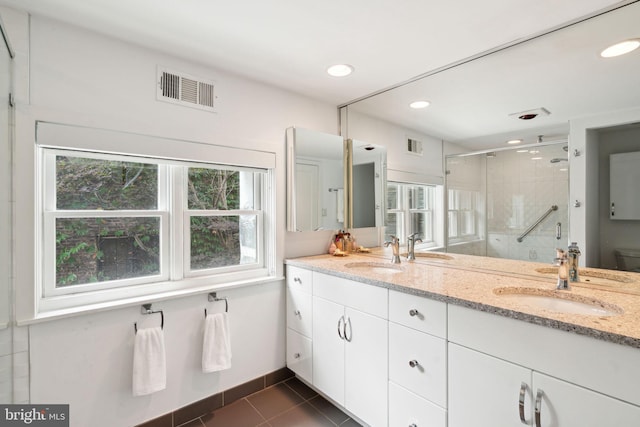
523	392
538	407
413	363
296	355
413	312
297	280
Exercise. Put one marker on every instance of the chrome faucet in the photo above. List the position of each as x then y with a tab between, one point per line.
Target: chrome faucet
395	246
411	245
573	253
563	270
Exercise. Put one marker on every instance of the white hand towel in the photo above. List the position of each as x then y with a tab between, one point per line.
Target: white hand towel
340	205
149	362
216	348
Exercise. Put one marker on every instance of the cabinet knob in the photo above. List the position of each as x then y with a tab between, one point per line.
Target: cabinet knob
413	425
413	363
296	312
297	280
296	355
413	312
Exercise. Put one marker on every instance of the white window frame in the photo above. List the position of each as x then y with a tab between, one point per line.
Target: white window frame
174	278
458	237
403	212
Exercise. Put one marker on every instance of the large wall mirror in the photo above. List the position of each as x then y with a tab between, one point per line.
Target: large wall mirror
554	87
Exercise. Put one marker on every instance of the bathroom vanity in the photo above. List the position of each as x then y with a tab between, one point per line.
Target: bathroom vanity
455	340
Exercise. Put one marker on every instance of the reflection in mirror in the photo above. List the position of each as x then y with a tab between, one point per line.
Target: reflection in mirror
315	181
510	203
560	76
368	184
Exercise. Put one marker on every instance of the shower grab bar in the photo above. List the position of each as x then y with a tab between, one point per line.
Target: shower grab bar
535	224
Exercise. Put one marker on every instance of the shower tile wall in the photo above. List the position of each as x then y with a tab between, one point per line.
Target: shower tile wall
520	188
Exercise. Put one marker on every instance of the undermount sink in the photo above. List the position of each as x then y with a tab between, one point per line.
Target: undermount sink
558	302
375	267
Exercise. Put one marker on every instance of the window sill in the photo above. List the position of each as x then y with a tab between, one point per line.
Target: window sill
55	314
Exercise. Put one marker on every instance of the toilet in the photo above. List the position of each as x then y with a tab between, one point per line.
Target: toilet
628	259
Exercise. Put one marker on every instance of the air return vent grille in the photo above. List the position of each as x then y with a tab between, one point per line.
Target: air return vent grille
414	146
184	89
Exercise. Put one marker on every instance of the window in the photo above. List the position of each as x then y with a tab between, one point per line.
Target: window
462	214
124	225
410	209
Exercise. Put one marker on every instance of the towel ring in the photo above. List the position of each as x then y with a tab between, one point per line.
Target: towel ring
213	297
146	309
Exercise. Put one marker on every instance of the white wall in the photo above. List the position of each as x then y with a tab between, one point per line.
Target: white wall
68	75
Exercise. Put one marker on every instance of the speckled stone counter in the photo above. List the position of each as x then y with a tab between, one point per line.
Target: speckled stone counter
479	282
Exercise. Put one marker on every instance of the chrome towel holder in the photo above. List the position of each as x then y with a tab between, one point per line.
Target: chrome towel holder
147	309
213	297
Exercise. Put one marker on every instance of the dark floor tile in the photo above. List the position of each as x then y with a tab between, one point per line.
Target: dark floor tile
275	400
238	414
163	421
301	388
243	390
192	423
328	409
197	409
277	376
350	423
303	415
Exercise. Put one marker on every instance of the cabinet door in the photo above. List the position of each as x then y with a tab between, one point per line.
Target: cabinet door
366	362
563	404
484	391
328	349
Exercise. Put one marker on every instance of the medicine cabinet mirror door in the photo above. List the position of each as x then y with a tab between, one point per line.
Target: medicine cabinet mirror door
315	181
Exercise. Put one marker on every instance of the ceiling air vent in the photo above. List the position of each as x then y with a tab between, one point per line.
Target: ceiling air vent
184	89
414	146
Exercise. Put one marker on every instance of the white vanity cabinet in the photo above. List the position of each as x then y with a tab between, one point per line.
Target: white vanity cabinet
350	338
299	322
564	379
417	361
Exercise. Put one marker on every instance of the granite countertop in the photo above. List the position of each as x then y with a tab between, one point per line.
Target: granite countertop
475	282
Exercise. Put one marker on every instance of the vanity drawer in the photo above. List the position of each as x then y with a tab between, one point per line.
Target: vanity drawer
299	311
299	279
418	362
419	313
299	355
409	409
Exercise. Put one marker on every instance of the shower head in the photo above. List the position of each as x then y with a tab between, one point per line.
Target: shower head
558	160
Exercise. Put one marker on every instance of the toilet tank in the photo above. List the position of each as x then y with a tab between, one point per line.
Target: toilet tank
628	259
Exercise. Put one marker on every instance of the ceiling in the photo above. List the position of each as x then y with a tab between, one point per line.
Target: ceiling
290	44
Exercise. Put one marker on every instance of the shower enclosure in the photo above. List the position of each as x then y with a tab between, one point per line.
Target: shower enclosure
510	203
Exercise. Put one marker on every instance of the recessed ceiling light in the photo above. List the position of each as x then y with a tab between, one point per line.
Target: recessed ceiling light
419	104
620	48
514	141
340	70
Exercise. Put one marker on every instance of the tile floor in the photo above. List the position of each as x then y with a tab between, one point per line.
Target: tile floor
287	404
